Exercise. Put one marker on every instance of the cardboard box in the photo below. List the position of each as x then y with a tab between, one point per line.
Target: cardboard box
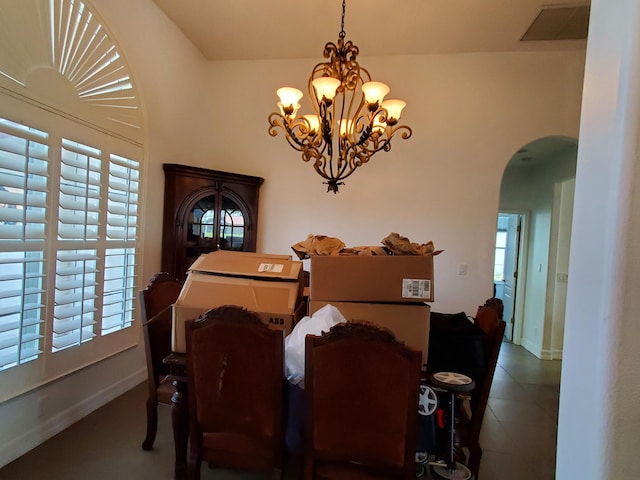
409	322
269	285
248	264
392	278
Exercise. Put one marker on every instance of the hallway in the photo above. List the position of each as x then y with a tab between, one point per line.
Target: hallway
520	426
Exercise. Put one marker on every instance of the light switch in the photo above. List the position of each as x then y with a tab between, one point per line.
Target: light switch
462	269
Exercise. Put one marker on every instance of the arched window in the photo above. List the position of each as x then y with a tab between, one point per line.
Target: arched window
70	155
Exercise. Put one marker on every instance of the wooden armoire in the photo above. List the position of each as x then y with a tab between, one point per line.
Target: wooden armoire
206	210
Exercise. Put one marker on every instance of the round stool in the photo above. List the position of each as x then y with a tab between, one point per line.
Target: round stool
453	383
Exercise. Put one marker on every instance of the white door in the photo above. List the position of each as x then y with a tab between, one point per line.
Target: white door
510	269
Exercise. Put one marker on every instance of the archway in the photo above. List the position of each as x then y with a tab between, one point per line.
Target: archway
537	186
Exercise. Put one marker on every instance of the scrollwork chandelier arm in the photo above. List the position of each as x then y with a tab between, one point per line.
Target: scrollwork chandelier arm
351	121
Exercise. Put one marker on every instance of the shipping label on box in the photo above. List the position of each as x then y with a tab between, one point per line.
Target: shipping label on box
416	289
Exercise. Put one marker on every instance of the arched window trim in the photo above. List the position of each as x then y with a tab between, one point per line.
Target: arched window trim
87	269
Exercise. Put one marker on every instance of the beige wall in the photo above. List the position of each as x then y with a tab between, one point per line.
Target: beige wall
469	114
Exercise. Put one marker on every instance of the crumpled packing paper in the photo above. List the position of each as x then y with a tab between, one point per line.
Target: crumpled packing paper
392	244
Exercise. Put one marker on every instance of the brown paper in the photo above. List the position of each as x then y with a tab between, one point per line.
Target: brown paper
393	244
318	245
399	245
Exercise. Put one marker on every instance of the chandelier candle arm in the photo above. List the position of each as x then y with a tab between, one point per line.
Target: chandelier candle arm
351	120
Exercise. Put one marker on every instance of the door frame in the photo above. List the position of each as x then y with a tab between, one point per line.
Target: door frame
520	288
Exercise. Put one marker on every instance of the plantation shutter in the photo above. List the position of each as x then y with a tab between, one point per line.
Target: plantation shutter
69	193
122	233
77	255
24	163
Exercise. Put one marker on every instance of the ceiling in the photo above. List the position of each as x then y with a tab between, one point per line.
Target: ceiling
288	29
282	29
540	153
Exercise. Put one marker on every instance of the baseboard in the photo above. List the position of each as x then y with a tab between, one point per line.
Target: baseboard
61	420
551	355
531	347
545	355
542	354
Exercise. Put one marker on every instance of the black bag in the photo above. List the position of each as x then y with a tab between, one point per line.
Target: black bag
456	344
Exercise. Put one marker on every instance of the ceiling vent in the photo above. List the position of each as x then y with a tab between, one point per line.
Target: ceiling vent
567	22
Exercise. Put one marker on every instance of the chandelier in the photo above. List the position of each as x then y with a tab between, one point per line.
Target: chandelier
352	121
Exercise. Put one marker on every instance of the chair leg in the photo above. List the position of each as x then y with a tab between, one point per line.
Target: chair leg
152	424
193	466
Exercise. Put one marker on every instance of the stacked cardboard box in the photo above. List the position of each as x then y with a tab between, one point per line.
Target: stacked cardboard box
270	285
389	291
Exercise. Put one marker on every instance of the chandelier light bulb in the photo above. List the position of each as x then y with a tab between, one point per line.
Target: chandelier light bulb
393	108
374	93
346	127
325	88
378	126
289	98
314	123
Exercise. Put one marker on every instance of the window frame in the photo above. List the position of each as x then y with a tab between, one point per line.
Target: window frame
53	365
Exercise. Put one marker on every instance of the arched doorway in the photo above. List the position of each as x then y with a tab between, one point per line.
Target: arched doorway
534	227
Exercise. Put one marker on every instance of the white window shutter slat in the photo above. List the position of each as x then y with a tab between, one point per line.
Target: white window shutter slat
75	297
23	218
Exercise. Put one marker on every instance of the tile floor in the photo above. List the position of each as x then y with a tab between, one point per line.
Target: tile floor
518	436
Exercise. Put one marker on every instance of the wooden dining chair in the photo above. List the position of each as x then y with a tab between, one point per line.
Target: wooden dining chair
361	404
155	314
470	419
235	366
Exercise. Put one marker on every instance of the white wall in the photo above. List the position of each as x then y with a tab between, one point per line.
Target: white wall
561	237
469	114
561	170
599	414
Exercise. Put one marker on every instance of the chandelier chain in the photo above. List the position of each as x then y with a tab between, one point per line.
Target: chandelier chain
344	7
